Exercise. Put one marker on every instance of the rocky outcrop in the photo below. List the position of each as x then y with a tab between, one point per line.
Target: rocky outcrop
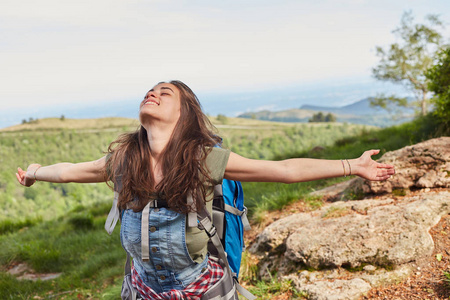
349	234
344	249
424	165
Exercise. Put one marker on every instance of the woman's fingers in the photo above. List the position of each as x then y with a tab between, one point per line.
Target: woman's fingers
18	178
374	152
21	177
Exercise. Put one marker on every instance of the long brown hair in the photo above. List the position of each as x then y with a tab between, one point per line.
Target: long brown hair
182	160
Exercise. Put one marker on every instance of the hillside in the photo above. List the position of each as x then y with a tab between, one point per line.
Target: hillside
359	112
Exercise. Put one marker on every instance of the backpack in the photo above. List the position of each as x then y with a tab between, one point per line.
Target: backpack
226	242
230	220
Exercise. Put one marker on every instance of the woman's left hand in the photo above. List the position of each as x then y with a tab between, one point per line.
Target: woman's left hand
369	169
27	178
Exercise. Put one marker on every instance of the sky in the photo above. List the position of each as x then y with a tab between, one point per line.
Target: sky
56	52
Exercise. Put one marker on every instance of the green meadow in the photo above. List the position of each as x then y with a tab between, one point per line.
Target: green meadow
58	228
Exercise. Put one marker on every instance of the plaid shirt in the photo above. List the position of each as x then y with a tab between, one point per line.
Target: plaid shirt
193	291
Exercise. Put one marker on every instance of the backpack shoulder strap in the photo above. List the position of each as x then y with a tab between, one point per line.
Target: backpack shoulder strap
192	216
205	223
113	215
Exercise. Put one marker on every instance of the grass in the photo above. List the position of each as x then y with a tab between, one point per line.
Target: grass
336	212
447	279
274	287
91	262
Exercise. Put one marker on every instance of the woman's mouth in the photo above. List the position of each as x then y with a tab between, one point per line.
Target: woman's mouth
151	102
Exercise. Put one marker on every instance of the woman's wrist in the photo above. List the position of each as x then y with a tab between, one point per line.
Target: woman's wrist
349	167
37	167
353	166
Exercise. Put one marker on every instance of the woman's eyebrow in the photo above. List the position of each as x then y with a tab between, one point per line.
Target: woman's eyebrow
167	88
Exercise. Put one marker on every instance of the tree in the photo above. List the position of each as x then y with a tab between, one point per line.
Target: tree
320	117
407	61
222	118
330	118
439	77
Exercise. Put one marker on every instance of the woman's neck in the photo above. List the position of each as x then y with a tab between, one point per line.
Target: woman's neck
158	138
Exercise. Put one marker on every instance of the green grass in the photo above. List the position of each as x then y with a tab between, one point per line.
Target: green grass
447	279
267	289
90	261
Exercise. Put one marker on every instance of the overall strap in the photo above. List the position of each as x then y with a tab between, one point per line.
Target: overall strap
144	232
145	253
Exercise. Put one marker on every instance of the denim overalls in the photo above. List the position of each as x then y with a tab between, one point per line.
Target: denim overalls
170	265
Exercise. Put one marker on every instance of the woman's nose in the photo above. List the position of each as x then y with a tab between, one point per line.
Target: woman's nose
152	94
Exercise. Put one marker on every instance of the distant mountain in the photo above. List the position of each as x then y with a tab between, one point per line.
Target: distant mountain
361	107
359	112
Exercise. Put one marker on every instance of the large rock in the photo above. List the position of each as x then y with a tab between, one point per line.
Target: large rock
424	165
377	232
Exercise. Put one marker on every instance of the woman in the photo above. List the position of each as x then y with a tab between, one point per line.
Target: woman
171	155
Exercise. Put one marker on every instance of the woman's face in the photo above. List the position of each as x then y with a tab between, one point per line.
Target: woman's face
161	103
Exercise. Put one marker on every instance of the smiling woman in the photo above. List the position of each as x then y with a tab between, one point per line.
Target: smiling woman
160	103
172	159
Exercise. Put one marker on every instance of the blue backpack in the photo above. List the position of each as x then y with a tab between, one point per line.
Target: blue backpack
230	220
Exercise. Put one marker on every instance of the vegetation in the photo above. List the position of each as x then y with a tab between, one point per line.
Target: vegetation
447	278
439	76
58	228
320	117
407	61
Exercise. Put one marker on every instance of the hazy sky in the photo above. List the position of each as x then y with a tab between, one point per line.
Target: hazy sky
54	51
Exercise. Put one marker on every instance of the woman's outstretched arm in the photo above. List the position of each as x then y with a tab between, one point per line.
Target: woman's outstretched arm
86	172
305	169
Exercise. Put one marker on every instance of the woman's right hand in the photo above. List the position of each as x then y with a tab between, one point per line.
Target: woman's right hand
27	178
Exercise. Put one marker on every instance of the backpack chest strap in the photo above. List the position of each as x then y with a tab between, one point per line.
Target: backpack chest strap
241	213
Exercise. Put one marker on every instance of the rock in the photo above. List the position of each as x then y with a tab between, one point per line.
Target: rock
19	269
326	284
387	235
336	290
23	272
382	277
370	268
36	277
424	165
